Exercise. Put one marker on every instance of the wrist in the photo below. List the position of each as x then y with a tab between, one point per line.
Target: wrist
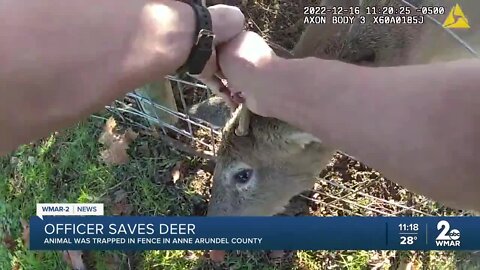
168	36
191	31
161	42
179	34
271	80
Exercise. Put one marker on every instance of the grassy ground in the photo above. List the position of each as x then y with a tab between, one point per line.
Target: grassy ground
67	167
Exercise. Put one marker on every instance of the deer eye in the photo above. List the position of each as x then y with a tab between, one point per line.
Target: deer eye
243	176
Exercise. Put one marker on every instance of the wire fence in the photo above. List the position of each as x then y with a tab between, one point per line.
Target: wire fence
194	135
333	193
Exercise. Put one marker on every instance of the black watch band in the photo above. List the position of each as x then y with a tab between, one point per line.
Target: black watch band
203	39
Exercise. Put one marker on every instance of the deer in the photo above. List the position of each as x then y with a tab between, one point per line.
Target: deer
263	162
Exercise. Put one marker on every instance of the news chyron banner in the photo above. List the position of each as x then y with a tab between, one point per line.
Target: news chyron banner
59	227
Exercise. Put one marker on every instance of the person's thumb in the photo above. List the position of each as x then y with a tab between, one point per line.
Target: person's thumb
227	22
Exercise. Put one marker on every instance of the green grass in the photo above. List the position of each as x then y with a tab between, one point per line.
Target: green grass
66	167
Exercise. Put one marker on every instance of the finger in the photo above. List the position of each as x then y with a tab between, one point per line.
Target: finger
220	74
218	88
212	68
212	74
215	83
227	22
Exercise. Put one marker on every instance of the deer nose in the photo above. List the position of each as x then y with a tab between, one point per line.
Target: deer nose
218	208
215	211
214	208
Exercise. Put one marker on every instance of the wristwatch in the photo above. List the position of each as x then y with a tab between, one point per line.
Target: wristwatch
203	39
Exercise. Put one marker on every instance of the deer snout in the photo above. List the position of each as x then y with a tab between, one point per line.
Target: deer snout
219	204
216	209
220	209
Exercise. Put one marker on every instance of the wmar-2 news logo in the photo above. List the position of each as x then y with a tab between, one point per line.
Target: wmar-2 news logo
447	237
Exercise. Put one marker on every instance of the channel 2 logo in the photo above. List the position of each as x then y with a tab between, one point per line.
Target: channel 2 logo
447	237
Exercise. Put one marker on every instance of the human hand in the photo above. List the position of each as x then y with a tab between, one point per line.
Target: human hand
91	52
243	61
165	36
227	22
172	35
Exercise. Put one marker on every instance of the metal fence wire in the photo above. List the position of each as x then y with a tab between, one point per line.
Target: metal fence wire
192	134
373	195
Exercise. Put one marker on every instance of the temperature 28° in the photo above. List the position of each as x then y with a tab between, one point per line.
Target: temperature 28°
408	240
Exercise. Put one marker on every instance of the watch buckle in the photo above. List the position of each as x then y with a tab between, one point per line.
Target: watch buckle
204	33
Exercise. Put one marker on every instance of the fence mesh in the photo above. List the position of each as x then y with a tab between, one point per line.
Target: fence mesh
192	134
346	187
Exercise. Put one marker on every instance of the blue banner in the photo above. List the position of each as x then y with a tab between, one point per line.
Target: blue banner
254	233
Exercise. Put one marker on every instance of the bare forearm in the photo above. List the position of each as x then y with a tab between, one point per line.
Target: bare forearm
62	60
416	124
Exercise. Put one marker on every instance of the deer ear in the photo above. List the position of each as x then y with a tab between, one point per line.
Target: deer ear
302	138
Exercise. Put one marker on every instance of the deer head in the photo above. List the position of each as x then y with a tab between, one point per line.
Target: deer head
258	172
